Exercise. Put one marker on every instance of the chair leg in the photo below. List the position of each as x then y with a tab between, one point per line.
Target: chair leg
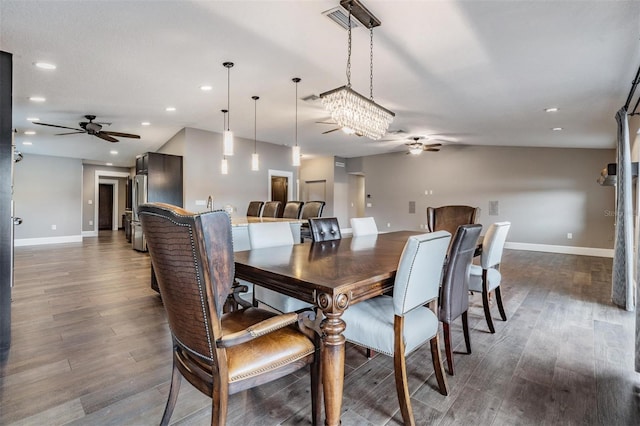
219	402
500	306
487	311
465	330
447	346
174	388
400	372
316	391
370	353
437	366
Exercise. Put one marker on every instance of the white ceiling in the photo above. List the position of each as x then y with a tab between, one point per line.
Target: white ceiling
472	72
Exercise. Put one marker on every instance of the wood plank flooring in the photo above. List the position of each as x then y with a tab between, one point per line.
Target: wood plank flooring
91	346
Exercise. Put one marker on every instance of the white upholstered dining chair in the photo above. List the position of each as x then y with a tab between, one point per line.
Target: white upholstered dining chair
273	234
398	325
486	277
361	226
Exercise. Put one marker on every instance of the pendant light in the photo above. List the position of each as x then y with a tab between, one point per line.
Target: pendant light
224	165
227	144
255	159
295	150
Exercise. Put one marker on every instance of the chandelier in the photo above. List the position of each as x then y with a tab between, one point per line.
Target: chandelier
348	108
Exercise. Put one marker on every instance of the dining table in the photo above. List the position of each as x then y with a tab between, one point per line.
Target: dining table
332	275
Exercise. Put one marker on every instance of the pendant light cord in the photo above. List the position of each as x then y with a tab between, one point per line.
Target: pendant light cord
349	51
371	63
297	111
255	123
228	96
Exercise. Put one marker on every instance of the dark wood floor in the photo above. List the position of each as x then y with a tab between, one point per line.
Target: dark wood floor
91	346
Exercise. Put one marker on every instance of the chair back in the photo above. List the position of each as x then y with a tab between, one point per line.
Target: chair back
255	208
292	209
192	256
271	234
271	209
312	209
493	244
363	226
325	228
454	292
448	218
419	271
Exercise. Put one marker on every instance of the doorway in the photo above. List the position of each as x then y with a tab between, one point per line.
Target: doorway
356	195
279	189
105	207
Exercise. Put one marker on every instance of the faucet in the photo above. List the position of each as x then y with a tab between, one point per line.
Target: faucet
210	203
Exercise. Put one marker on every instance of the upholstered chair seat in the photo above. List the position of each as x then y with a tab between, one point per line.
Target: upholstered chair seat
486	277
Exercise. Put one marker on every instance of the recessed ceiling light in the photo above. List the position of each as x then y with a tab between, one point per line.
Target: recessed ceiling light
170	109
146	123
30	132
114	152
109	164
552	109
37	99
206	88
33	119
45	65
557	129
26	143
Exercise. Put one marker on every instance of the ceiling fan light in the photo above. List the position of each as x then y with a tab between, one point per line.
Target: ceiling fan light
415	150
255	162
348	130
227	143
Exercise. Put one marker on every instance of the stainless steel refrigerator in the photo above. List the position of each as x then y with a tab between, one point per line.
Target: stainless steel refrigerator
139	196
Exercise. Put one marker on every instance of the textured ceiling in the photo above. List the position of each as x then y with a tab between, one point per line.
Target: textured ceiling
478	73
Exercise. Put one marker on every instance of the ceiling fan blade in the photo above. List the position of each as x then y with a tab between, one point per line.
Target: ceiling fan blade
326	122
431	145
119	134
432	149
70	133
332	130
106	137
55	125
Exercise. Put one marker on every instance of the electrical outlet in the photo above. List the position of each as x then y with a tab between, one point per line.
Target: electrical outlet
388	225
369	205
569	236
90	223
90	202
53	227
201	202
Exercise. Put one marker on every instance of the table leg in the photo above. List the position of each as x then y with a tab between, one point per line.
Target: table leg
333	356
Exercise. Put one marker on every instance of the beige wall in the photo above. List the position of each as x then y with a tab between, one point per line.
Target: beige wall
545	192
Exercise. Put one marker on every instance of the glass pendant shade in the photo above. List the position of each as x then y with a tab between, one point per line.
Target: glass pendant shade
255	162
295	155
227	143
224	166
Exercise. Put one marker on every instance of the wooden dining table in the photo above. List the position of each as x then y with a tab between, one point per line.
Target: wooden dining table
333	275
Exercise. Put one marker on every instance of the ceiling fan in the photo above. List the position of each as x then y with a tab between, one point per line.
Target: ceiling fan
416	147
344	129
92	128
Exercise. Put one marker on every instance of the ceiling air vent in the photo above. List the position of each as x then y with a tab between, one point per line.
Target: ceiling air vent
340	17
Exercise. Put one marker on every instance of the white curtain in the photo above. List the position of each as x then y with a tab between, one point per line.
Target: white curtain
622	289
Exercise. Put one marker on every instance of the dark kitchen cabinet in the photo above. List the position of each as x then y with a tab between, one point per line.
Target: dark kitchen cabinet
164	177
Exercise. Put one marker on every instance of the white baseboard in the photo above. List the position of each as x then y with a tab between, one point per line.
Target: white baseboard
581	251
89	234
49	240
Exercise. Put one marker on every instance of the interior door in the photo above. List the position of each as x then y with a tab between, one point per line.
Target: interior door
279	190
105	209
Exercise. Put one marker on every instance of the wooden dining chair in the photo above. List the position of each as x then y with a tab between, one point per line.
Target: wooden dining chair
273	234
448	218
400	324
486	277
454	291
271	209
219	354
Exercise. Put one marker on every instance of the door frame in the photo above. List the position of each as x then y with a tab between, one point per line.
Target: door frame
98	175
280	173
